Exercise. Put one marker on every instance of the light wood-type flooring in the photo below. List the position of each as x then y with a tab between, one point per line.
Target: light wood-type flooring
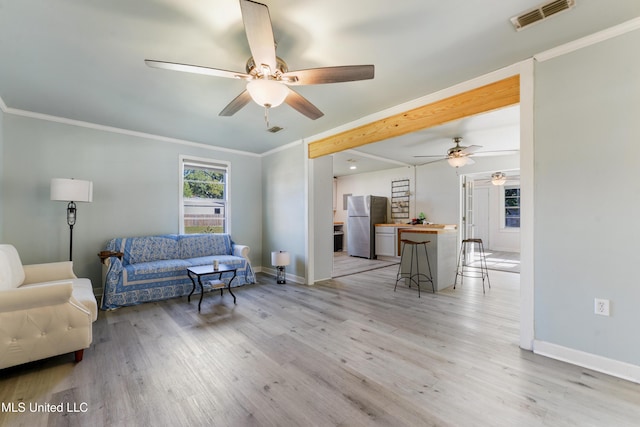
348	352
345	265
499	260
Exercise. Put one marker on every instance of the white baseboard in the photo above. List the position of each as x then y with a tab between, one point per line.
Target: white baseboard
594	362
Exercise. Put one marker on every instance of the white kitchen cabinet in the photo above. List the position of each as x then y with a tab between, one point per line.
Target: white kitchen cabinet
386	241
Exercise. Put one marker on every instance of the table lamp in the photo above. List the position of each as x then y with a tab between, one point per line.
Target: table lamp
280	259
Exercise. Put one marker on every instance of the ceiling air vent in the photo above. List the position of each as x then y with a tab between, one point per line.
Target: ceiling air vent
541	12
274	129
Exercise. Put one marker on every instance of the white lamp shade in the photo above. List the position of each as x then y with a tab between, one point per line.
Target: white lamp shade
71	190
267	92
498	178
457	162
280	258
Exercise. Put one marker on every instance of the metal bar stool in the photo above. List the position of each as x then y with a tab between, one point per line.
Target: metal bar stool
464	269
416	277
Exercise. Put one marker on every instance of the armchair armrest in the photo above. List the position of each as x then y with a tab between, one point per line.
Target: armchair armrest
36	273
22	298
241	250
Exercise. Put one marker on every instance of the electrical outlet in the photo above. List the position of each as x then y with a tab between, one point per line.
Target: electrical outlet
601	306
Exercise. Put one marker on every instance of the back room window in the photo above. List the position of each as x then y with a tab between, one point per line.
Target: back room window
512	207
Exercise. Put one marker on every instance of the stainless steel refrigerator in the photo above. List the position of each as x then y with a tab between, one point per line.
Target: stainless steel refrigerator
363	212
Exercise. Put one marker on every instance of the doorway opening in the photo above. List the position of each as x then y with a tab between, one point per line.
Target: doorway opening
490	211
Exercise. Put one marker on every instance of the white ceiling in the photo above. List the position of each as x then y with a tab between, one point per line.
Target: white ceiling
83	60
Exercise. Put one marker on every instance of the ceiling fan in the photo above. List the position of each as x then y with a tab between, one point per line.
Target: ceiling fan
499	179
459	156
268	75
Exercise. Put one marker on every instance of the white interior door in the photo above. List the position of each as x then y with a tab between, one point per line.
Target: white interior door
481	215
467	208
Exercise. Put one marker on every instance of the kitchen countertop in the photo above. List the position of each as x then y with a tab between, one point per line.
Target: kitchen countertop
426	230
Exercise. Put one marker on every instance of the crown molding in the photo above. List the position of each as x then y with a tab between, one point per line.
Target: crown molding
111	129
600	36
282	148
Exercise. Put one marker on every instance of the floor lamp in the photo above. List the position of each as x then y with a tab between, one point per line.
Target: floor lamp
71	190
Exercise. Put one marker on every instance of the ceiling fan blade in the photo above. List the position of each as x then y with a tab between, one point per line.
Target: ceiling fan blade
470	149
469	160
439	157
315	76
196	69
257	25
302	105
234	106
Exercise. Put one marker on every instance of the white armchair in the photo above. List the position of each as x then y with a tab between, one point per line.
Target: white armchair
45	310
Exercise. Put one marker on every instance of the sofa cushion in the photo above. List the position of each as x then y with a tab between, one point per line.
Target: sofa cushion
152	248
146	272
201	245
11	271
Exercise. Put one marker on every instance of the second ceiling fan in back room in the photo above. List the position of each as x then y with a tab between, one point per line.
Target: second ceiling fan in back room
267	75
458	155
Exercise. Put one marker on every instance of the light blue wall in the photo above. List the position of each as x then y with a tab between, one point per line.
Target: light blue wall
587	195
284	220
136	190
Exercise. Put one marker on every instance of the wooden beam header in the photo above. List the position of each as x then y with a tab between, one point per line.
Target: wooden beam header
480	100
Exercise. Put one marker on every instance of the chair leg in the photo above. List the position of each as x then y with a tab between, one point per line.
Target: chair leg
414	257
78	355
486	269
458	271
414	250
399	275
476	246
426	255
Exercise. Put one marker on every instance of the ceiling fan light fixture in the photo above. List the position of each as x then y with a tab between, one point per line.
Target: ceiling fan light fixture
457	162
267	93
498	178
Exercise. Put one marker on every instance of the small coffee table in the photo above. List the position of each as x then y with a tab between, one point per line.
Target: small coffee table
203	270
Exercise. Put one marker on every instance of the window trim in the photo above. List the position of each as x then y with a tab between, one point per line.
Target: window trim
503	207
207	162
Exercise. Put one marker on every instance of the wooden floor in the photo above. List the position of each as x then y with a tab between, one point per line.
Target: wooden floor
499	260
345	265
348	352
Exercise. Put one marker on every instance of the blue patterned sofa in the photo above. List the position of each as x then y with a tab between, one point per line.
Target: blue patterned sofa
155	267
